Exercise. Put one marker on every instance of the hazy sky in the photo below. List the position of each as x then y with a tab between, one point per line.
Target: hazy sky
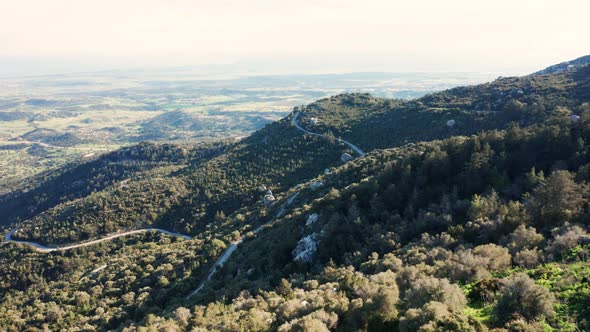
334	35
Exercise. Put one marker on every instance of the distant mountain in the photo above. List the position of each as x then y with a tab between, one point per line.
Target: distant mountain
565	66
180	124
12	116
51	137
165	125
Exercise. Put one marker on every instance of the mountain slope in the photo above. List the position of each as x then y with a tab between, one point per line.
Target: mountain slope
278	156
566	66
393	240
446	209
179	124
81	179
379	123
190	198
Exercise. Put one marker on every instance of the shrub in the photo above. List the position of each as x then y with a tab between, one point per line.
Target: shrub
430	289
520	325
407	275
436	316
383	304
523	238
567	238
476	264
521	297
496	258
485	290
528	258
319	321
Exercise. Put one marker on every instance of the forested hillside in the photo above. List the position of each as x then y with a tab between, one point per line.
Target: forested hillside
185	198
464	234
468	213
277	156
380	123
81	179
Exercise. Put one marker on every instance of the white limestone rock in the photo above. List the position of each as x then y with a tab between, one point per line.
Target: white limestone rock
305	249
346	157
312	219
315	185
268	199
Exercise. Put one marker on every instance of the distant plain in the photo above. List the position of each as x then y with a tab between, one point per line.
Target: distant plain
49	121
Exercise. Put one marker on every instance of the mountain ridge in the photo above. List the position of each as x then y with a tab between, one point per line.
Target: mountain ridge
368	122
428	230
565	66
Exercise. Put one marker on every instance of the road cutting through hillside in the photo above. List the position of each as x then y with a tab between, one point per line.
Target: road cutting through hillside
42	248
350	145
234	245
224	256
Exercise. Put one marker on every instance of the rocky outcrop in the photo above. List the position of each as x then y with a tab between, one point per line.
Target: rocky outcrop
312	219
305	249
268	199
315	185
346	157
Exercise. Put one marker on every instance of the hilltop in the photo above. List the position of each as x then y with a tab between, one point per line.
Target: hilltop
566	66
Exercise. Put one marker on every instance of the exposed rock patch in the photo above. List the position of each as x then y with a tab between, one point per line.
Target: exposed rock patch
346	157
305	249
315	185
312	219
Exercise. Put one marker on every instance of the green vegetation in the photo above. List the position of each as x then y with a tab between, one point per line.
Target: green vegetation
51	121
380	123
198	195
480	224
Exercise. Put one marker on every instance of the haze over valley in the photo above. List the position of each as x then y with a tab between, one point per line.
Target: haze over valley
49	121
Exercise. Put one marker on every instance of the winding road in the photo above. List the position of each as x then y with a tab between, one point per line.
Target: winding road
226	254
234	245
350	145
42	248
